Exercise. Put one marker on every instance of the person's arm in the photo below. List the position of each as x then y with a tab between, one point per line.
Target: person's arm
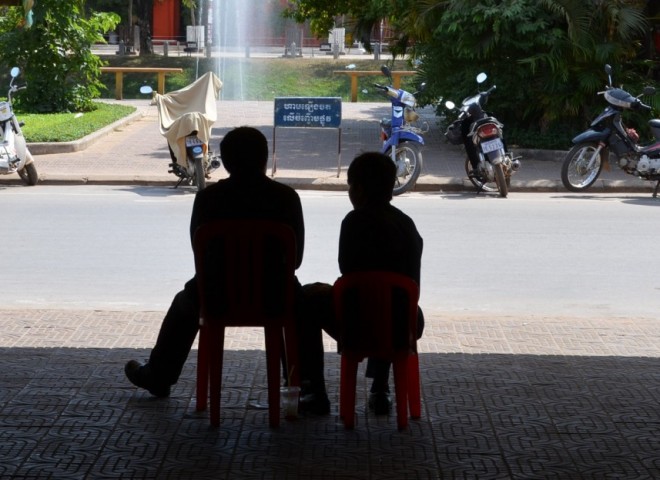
195	217
354	243
299	230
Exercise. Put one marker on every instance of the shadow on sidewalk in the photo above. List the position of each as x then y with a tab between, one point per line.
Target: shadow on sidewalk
70	413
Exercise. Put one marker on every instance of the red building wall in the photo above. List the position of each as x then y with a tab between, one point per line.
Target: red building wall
166	19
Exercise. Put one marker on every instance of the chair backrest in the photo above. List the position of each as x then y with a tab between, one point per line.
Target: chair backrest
245	271
376	313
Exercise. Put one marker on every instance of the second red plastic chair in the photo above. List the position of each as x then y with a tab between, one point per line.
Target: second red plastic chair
377	317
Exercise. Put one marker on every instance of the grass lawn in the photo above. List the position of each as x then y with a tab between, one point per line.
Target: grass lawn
66	127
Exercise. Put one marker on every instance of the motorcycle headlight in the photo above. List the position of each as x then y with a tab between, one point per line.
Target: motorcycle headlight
408	99
5	111
410	115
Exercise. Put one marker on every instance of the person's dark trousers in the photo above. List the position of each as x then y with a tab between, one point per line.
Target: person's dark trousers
176	336
316	314
379	370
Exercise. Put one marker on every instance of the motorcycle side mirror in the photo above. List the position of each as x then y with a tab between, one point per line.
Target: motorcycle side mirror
608	70
481	78
146	90
450	105
14	72
386	71
649	90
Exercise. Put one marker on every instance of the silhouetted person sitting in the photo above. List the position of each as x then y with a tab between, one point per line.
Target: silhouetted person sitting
247	194
374	236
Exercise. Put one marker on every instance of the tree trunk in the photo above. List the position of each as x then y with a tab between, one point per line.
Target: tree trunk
145	10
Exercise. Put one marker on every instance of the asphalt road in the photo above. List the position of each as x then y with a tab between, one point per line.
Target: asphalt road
127	248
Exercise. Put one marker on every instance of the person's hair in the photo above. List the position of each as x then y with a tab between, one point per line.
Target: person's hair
244	150
375	174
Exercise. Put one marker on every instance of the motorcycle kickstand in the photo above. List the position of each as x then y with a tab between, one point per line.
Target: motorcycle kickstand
655	190
178	183
481	188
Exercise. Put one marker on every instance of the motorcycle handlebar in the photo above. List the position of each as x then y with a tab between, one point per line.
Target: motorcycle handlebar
381	87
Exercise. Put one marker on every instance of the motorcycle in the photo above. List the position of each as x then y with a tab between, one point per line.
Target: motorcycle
489	165
14	153
606	134
186	117
402	141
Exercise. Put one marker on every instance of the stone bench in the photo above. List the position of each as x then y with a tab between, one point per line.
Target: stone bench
354	74
119	76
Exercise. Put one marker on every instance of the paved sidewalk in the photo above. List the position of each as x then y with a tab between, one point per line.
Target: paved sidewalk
133	151
502	398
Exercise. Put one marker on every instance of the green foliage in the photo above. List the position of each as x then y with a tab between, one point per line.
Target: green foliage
66	127
545	56
320	13
55	55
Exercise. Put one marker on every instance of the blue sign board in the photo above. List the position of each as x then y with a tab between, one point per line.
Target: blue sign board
310	112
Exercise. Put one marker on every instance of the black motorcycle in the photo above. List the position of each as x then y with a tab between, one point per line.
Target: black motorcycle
488	164
606	134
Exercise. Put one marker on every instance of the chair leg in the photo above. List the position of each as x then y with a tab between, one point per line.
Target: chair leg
273	352
202	371
401	392
347	387
215	374
414	388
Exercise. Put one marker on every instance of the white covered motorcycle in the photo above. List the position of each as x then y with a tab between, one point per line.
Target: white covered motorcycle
186	117
14	154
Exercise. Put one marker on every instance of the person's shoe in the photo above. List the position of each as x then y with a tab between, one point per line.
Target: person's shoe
139	376
380	403
316	403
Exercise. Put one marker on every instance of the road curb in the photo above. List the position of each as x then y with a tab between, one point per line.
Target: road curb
443	185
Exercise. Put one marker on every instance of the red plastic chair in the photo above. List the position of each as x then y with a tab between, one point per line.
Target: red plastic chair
377	317
245	277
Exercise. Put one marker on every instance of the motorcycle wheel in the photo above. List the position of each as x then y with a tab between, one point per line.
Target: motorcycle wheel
200	178
500	179
575	175
481	186
408	166
29	174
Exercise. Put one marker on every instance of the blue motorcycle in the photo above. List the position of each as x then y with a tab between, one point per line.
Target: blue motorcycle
402	141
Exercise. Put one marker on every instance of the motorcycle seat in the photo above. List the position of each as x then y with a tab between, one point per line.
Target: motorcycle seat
486	119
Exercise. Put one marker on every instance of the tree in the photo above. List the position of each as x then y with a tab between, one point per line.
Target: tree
55	54
555	48
145	10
